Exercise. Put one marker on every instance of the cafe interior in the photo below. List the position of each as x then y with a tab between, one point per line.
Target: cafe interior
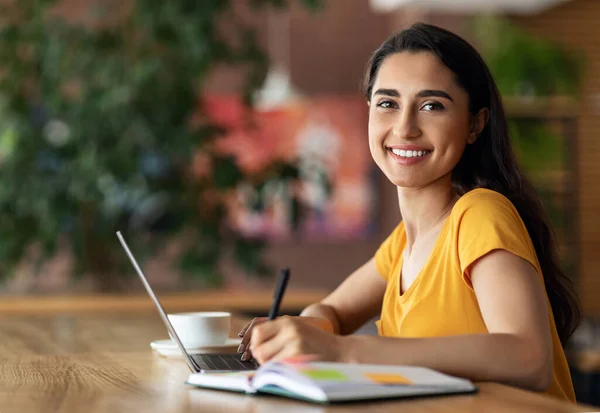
227	139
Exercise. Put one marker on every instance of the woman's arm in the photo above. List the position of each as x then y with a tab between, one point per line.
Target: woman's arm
354	302
517	351
348	307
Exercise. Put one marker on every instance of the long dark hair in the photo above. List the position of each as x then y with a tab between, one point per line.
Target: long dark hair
490	162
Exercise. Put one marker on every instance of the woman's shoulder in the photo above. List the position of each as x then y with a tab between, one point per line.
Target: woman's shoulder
482	198
483	203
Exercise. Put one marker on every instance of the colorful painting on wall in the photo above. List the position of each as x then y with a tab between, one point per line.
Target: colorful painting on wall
327	139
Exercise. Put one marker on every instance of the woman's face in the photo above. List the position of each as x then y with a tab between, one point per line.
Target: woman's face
419	121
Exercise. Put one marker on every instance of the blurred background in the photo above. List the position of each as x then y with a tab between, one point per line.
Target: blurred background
227	139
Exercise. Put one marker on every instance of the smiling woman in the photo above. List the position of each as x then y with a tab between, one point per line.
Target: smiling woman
468	283
417	106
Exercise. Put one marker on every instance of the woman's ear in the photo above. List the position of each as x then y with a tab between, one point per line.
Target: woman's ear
478	122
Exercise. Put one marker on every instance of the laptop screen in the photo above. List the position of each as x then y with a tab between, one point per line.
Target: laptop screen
159	307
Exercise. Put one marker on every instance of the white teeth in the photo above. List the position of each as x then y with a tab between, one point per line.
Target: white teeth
409	154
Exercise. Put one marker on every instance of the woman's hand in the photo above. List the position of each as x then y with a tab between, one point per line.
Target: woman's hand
246	332
292	336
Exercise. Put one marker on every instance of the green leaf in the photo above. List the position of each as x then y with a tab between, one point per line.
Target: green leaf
248	254
201	264
314	5
226	173
295	213
537	146
523	64
206	133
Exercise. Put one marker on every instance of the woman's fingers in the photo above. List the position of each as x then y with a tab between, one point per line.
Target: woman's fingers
246	335
287	337
269	348
274	339
243	330
265	331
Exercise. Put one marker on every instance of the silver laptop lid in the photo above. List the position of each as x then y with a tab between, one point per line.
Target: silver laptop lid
158	305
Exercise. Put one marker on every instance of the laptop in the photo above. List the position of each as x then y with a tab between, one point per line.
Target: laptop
198	363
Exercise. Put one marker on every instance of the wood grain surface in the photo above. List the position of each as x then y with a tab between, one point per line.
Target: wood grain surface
237	301
103	363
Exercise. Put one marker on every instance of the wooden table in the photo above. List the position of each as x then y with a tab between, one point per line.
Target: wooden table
103	363
215	300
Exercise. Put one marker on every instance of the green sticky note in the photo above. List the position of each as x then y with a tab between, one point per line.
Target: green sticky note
324	375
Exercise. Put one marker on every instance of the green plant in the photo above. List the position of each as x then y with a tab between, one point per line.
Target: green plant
533	70
524	64
529	67
101	124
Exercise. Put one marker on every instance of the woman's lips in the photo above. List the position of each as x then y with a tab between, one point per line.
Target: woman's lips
404	160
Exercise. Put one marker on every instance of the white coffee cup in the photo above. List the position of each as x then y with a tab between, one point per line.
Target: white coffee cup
201	329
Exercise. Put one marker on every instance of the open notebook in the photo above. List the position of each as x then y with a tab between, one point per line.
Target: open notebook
323	382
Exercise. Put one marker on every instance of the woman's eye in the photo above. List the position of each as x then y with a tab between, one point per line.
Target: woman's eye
433	106
387	104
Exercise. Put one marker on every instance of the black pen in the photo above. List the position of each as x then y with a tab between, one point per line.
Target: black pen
282	281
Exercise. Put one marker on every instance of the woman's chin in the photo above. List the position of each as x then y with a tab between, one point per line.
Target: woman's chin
404	182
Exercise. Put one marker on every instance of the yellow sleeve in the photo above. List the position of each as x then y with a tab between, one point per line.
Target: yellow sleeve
387	253
488	221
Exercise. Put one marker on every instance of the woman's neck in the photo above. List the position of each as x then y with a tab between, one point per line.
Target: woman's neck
423	210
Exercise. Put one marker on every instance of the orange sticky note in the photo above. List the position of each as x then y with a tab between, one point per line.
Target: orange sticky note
387	378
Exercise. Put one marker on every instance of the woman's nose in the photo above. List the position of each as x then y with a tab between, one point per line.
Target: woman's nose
406	125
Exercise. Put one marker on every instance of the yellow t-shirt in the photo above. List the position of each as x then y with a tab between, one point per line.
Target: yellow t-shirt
441	300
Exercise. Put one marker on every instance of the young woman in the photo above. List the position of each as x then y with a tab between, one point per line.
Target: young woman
468	283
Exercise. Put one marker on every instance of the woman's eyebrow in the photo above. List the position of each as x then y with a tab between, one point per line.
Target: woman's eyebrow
434	93
422	94
387	92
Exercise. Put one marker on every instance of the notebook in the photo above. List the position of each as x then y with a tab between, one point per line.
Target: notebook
326	382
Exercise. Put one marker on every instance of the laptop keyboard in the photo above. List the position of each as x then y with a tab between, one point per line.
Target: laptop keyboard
223	362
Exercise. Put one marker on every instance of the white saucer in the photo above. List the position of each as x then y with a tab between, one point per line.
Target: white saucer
168	348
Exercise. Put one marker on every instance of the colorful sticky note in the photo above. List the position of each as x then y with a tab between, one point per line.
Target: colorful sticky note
387	378
324	375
